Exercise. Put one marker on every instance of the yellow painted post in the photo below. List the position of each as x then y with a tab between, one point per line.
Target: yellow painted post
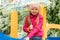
49	26
14	24
43	13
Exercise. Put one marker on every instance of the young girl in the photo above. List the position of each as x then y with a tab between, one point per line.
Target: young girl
33	23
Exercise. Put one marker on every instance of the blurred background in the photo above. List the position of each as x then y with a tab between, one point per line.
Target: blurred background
53	15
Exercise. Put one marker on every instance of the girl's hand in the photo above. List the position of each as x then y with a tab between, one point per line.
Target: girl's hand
27	38
30	27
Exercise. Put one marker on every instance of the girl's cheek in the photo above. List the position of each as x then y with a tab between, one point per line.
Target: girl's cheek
31	11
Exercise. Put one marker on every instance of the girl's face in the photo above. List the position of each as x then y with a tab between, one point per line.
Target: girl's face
34	9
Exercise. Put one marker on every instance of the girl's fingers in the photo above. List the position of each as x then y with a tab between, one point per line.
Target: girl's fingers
29	30
31	26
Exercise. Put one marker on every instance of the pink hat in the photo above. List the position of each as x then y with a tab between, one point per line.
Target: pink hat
34	4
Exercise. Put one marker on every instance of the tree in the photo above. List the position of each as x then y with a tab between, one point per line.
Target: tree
4	23
53	12
53	16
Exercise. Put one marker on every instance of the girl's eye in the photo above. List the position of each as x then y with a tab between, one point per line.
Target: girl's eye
36	9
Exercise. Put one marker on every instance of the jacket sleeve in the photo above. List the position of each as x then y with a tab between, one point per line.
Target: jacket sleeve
37	28
25	25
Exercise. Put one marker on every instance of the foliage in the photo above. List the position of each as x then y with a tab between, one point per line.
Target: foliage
53	17
4	23
53	12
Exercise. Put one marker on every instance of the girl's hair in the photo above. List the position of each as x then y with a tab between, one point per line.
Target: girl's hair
29	20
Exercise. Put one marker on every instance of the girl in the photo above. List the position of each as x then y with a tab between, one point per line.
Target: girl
33	23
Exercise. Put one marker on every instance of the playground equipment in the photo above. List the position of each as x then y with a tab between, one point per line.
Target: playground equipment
14	23
46	28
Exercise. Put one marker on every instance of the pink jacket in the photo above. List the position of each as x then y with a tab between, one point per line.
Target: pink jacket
37	29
